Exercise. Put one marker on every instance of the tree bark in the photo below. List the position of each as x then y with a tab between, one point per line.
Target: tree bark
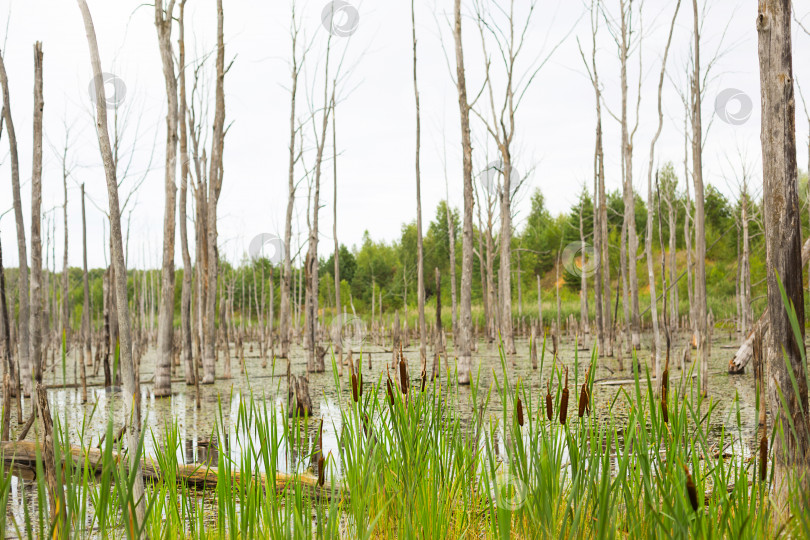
37	314
285	311
185	301
165	348
338	326
214	189
659	345
131	400
420	262
629	278
787	377
86	328
701	301
65	299
464	338
23	335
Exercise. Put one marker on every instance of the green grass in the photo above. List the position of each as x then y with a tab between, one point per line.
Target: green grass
415	467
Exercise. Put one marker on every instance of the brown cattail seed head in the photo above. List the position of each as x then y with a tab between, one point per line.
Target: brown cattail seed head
664	410
691	490
564	406
549	404
519	412
390	389
763	458
584	400
321	471
355	394
403	376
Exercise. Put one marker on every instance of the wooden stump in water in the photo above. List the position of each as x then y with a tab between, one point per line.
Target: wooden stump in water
48	462
300	401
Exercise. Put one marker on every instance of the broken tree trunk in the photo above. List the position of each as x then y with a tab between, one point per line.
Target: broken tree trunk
745	353
23	454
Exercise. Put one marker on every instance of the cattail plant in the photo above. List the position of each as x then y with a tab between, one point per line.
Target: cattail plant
519	410
321	471
390	389
585	396
564	401
763	458
691	490
549	403
355	390
403	375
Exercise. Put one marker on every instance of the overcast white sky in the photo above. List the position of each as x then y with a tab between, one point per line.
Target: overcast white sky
376	124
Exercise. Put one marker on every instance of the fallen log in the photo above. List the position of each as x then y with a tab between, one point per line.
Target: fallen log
24	454
745	353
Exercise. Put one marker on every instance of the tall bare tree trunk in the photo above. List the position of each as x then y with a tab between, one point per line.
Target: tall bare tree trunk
131	400
315	361
37	313
165	352
451	233
23	335
602	276
188	269
338	326
87	330
465	337
745	269
214	189
420	261
672	217
701	301
782	225
583	283
630	278
659	345
285	311
65	299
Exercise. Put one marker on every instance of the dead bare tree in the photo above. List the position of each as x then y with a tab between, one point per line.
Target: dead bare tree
36	315
185	301
500	122
601	247
628	40
787	376
163	377
659	345
464	339
131	401
215	175
315	361
87	359
420	262
285	313
701	301
23	335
